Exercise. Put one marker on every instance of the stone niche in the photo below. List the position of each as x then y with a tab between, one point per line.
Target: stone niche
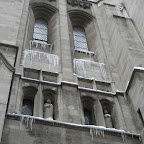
35	74
87	83
31	73
48	76
104	86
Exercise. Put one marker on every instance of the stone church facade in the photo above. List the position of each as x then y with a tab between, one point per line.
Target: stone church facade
72	72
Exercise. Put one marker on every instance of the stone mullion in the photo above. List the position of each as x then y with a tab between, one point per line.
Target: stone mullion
98	113
38	103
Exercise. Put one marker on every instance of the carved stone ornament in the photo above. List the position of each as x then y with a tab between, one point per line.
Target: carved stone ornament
80	3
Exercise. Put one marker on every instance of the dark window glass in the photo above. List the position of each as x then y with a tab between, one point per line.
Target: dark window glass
40	30
88	117
79	37
27	108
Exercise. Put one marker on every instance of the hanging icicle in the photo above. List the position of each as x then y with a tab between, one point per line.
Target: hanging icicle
41	44
96	132
52	59
28	120
84	65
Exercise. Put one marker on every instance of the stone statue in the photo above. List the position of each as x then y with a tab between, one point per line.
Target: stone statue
108	119
48	110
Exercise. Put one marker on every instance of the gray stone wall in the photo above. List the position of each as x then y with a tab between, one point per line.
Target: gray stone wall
58	133
70	77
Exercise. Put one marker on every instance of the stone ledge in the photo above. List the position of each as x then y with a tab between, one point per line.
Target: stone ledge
118	16
136	69
9	45
96	91
43	121
109	4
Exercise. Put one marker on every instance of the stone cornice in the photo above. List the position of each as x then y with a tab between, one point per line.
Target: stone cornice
135	71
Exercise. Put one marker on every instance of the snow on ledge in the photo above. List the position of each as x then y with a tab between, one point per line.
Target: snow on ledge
100	91
71	83
139	68
31	119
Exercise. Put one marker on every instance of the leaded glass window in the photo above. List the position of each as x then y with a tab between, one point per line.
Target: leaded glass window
80	41
27	108
40	30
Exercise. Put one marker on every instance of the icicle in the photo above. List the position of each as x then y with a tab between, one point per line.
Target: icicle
31	123
140	138
53	60
96	132
21	121
91	132
30	45
81	64
51	48
36	45
25	53
124	138
39	56
27	121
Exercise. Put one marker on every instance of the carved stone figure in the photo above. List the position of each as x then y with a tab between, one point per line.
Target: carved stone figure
48	109
108	120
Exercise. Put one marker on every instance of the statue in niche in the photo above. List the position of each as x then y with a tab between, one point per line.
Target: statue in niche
48	110
108	119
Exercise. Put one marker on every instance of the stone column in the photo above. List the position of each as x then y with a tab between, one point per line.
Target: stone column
38	103
66	57
98	113
118	116
70	109
19	99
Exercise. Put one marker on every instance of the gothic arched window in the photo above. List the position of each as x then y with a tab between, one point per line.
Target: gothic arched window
27	108
40	30
79	36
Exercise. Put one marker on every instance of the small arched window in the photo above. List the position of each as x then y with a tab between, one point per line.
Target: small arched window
27	108
40	30
79	36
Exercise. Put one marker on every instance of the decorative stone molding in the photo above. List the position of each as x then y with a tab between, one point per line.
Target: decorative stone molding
6	62
83	4
6	47
121	6
45	7
81	16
